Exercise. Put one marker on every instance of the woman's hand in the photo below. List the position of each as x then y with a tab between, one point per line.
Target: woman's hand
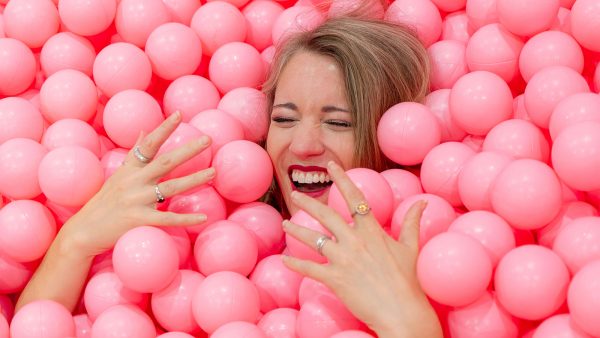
373	274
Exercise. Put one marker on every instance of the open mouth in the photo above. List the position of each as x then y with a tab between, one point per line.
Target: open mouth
309	179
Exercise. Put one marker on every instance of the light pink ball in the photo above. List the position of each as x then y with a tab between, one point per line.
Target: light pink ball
19	119
561	325
264	222
225	297
204	200
172	306
68	93
474	142
128	113
407	132
422	15
579	242
112	160
70	175
238	329
297	248
324	316
83	326
4	329
436	218
183	134
182	10
440	170
71	132
551	48
456	27
438	103
249	106
260	18
17	67
481	12
295	19
547	88
235	65
146	259
277	285
136	19
568	213
15	275
478	176
174	50
527	18
479	101
494	49
522	282
454	269
581	107
218	23
190	95
597	78
42	318
175	334
121	66
225	246
583	298
584	24
519	139
352	334
244	171
66	50
220	126
87	17
527	194
484	317
376	190
123	321
279	323
450	5
448	63
574	156
403	184
31	21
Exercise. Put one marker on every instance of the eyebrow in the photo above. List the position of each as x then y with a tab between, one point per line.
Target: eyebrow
325	109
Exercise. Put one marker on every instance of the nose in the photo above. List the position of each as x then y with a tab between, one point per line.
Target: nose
307	141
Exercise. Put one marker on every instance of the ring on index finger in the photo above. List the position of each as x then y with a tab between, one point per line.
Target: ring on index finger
361	208
138	154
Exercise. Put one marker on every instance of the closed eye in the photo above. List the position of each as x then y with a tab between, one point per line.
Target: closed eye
339	123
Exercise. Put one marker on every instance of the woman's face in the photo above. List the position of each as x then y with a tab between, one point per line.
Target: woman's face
310	125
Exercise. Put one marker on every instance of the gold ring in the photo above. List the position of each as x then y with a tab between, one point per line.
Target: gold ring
361	208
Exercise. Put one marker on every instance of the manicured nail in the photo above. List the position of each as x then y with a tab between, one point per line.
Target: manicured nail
176	115
210	172
294	194
204	140
202	218
285	224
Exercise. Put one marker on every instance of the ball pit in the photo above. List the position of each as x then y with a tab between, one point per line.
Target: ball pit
504	149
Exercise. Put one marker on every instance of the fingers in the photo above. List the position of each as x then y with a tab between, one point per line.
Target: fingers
149	145
167	218
178	185
352	195
310	238
328	217
310	269
411	225
170	160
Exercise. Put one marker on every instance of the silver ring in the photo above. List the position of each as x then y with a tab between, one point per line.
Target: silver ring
321	242
138	154
361	208
159	196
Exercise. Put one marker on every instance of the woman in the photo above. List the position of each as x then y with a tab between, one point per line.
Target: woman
327	90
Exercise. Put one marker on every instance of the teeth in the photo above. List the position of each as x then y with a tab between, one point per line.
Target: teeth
310	177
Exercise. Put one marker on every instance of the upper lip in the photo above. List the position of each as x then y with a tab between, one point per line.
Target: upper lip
305	168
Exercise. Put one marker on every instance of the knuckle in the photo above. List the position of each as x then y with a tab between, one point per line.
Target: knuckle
167	187
165	161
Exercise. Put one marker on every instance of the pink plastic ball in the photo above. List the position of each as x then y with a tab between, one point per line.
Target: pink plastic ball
183	134
583	299
120	66
31	21
70	175
597	78
376	190
66	50
123	321
218	23
15	275
20	159
581	107
324	316
440	170
481	12
225	246
225	297
71	132
174	50
454	269
484	317
477	177
182	10
279	323
547	49
277	285
403	183
104	290
190	95
479	101
6	307
527	194
19	119
183	243
573	156
568	213
85	17
549	86
68	93
220	126
42	318
136	19
146	259
519	139
298	18
204	200
128	113
249	107
450	5
260	18
264	222
522	282
4	329
234	65
238	329
172	306
422	15
175	334
579	243
27	229
112	160
407	132
438	103
456	27
527	18
17	67
436	218
83	326
559	326
244	171
352	334
584	23
448	63
299	249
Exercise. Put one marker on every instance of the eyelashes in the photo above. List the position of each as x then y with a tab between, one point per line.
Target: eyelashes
334	123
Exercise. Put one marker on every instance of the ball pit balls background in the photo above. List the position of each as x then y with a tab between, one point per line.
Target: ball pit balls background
505	149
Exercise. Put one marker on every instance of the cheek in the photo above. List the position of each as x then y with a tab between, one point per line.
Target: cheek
344	151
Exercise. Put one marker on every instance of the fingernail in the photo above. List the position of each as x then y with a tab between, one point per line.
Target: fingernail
210	172
204	140
284	224
330	164
423	204
176	115
202	218
294	194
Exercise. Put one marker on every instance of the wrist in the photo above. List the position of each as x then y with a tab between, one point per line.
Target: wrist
419	321
71	245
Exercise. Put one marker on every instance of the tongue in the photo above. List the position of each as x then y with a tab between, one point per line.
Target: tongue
311	187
